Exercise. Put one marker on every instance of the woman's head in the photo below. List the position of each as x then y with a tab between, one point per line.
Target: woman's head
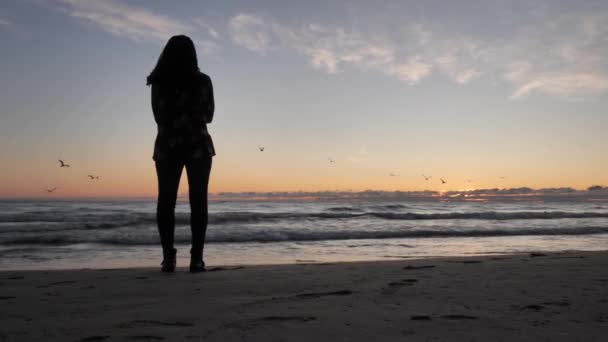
176	63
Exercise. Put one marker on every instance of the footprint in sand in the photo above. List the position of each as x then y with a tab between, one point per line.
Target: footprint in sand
543	305
568	257
57	283
536	254
423	267
323	294
216	269
557	303
16	277
394	286
532	307
403	282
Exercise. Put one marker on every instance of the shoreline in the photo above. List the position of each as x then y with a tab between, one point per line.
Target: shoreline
524	297
304	262
93	256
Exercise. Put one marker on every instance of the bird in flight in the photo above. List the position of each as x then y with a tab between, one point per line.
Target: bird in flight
331	161
442	181
392	175
426	178
261	148
93	177
63	164
51	190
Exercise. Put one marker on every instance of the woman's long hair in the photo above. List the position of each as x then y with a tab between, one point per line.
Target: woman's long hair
177	63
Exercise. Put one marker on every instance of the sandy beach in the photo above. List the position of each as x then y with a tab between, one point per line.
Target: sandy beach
528	297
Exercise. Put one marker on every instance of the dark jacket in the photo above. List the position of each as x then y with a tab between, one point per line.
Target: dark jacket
182	114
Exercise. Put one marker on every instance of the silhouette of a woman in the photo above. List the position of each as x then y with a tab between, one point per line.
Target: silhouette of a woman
183	105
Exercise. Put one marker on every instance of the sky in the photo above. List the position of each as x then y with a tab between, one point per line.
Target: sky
482	94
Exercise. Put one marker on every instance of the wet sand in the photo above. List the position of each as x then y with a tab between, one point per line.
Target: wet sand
529	297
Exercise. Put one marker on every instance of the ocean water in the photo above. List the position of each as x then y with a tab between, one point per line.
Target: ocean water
106	234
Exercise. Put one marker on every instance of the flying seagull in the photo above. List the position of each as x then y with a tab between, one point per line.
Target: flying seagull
93	177
51	190
62	164
442	181
392	175
331	161
426	178
261	148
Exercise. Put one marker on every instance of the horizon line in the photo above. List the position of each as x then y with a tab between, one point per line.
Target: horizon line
294	194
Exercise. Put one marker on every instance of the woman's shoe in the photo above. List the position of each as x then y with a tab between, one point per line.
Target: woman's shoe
197	265
169	261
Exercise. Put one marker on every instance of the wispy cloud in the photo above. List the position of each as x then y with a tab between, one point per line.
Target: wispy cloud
210	30
542	57
454	67
132	22
552	53
327	48
251	32
331	49
576	85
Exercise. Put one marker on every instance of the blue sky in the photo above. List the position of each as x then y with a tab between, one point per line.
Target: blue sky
462	90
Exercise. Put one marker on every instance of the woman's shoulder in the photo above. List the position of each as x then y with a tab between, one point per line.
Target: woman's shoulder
202	77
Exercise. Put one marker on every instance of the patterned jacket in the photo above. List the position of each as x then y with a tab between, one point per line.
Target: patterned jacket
182	115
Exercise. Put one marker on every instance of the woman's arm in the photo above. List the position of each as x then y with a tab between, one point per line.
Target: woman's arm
207	103
211	109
